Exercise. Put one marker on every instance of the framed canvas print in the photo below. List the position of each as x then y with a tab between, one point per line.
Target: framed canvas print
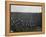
24	18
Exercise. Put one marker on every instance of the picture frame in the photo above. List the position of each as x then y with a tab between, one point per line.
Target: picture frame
7	16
